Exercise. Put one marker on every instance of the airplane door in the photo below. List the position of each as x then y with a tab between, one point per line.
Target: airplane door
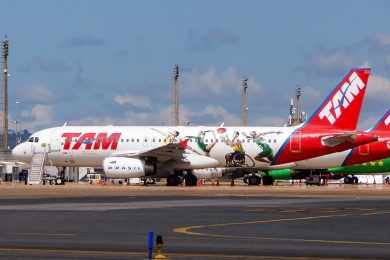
296	142
364	149
55	145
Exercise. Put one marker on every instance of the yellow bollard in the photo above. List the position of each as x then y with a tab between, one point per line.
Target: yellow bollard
159	245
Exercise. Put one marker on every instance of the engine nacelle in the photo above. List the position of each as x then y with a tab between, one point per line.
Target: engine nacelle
123	168
209	173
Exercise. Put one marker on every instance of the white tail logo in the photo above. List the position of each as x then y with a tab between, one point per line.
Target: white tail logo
387	120
343	97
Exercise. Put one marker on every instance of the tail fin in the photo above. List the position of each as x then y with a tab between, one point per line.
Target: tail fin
383	124
341	109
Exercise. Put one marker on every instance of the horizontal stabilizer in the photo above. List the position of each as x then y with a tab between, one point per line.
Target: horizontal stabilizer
334	140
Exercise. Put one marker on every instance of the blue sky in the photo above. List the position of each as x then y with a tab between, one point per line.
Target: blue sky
100	62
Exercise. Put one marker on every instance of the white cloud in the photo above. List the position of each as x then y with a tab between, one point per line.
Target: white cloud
378	87
129	118
38	93
135	101
327	62
271	121
381	40
39	117
43	113
220	115
212	82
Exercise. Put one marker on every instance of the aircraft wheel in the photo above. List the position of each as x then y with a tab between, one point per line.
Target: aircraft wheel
254	180
173	180
355	180
348	180
268	180
190	179
59	181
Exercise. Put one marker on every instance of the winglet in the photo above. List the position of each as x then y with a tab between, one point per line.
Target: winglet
341	109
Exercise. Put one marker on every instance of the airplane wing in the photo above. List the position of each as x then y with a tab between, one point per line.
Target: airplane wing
170	151
334	140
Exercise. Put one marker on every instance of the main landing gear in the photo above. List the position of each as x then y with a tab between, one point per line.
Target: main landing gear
252	179
351	180
179	176
255	179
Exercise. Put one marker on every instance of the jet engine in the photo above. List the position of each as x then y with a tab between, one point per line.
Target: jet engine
209	173
123	168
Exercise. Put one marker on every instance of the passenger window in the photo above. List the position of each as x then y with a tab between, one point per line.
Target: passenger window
132	140
137	140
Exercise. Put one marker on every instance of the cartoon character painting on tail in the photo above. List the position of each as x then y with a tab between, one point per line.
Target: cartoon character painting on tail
237	157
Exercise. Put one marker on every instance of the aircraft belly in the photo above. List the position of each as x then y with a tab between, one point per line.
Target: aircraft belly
323	162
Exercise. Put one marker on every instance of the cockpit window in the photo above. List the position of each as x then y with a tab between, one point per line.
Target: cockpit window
31	139
36	139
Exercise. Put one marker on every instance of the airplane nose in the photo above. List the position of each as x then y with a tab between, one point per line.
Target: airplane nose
18	151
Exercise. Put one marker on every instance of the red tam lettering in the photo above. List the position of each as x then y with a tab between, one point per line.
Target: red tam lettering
86	139
68	139
105	142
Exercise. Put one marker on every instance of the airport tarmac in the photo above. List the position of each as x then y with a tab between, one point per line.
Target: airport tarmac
340	222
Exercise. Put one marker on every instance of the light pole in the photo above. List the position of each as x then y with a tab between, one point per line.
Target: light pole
17	102
17	133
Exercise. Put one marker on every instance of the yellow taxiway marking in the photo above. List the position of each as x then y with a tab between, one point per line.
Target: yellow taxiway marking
190	230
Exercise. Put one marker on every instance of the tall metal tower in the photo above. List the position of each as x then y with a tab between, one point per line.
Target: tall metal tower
4	143
244	102
175	97
297	116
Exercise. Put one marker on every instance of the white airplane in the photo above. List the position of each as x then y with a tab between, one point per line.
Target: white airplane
173	152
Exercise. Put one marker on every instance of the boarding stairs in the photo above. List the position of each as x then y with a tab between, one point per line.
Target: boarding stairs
36	168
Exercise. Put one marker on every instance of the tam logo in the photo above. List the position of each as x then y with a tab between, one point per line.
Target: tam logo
95	141
343	97
387	120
